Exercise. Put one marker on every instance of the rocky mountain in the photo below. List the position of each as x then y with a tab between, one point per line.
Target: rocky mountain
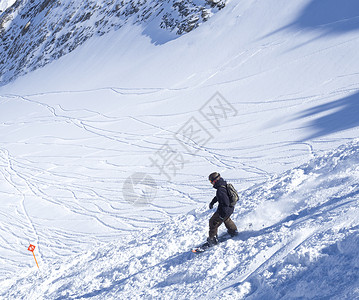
36	32
4	4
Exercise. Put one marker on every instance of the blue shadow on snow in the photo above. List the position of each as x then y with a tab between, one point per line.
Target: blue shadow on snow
341	115
329	16
334	16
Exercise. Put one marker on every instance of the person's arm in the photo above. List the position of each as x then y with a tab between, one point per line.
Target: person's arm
214	200
223	200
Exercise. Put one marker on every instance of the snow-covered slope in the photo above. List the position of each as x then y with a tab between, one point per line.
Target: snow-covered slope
97	146
34	33
298	241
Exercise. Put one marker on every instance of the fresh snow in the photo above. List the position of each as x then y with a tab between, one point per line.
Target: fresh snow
84	133
305	238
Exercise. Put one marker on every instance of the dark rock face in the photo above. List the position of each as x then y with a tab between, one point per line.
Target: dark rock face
35	32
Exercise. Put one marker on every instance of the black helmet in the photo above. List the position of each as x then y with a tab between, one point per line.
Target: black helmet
214	176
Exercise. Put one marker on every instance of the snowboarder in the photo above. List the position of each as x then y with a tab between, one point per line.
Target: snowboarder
224	210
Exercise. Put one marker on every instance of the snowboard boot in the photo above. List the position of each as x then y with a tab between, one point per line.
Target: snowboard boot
212	241
232	233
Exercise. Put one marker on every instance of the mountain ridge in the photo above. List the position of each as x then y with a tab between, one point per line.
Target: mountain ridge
34	33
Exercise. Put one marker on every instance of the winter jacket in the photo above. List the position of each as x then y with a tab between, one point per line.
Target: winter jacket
224	209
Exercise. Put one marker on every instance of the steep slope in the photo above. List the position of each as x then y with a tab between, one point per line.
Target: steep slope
97	145
299	234
34	33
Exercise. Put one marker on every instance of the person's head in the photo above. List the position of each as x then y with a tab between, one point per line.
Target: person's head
214	177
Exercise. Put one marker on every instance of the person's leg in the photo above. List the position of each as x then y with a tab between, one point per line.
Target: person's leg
231	227
214	222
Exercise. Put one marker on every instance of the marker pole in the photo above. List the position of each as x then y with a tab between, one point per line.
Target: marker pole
31	249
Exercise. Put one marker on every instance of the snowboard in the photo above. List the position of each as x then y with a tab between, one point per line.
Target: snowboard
206	245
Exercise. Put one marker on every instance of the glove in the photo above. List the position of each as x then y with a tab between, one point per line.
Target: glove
211	205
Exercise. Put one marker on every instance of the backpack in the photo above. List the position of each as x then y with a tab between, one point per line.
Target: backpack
232	194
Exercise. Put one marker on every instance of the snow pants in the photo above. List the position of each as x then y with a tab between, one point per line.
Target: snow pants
216	221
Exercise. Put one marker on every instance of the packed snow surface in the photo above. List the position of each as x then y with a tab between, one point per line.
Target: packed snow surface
105	153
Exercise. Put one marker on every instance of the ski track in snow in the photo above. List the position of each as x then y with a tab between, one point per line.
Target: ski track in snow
84	195
65	155
36	179
161	263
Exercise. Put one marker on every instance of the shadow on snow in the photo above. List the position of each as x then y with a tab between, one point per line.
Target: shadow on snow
339	115
333	16
329	17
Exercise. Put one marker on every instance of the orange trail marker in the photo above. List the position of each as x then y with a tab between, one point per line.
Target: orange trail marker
32	248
